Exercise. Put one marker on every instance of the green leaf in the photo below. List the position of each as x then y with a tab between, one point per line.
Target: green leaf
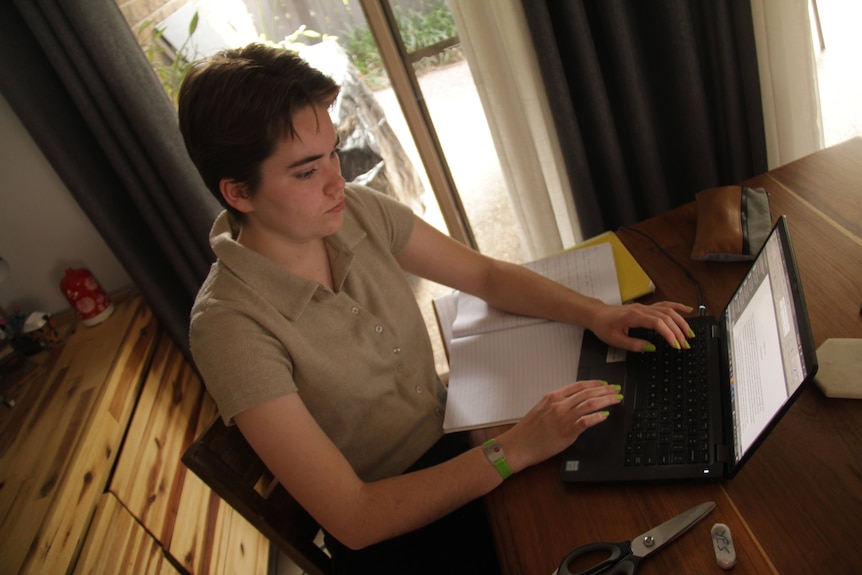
193	24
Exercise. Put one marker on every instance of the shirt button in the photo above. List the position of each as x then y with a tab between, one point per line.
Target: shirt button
438	412
354	310
378	328
396	350
418	389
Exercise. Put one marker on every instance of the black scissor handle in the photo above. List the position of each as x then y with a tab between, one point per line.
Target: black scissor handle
619	559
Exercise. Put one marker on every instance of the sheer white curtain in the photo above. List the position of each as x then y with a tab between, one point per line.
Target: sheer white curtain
788	79
497	44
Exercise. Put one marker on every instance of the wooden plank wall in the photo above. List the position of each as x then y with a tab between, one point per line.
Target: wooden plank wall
199	531
118	543
90	474
62	438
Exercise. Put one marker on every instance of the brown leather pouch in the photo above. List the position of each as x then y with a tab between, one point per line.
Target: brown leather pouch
732	223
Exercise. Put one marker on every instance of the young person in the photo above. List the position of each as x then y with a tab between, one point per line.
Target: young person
308	336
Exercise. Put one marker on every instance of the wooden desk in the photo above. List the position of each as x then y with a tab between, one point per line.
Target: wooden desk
796	506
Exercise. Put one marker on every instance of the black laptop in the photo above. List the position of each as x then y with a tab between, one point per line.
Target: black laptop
700	413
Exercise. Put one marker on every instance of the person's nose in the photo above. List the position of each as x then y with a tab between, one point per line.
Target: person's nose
336	180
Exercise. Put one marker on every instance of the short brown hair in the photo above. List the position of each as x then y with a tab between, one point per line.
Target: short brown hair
235	107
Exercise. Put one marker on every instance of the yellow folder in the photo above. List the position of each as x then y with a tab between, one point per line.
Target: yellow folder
634	281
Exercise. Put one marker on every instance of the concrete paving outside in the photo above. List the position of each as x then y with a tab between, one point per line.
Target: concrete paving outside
459	121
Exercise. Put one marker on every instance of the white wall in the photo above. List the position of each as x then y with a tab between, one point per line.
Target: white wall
43	231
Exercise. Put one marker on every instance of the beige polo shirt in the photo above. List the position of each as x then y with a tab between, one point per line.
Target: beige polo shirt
359	357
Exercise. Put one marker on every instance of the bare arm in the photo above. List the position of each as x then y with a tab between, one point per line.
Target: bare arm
516	289
357	513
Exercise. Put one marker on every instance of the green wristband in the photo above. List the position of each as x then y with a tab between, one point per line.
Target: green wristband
494	453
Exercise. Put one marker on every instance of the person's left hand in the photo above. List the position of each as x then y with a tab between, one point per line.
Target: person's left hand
612	323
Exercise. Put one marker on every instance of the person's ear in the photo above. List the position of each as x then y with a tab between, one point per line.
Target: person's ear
236	194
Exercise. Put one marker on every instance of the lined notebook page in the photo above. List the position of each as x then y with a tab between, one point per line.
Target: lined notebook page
502	364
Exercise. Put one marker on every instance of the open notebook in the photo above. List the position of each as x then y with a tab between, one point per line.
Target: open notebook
502	364
703	420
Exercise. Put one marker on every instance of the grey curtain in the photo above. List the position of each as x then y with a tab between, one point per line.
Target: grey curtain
655	100
81	85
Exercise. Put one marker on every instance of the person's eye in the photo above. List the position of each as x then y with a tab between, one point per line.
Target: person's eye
306	174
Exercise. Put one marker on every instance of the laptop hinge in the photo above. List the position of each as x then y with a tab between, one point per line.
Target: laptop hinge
721	453
714	330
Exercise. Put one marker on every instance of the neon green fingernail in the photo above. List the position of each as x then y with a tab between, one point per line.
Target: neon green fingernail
649	347
618	388
676	344
691	333
606	414
604	382
619	396
685	344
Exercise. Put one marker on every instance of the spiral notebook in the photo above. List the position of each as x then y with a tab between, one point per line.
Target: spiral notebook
502	364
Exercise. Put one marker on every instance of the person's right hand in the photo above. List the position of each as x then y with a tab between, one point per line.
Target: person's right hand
556	421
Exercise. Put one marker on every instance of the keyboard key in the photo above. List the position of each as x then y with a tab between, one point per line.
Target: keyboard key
671	422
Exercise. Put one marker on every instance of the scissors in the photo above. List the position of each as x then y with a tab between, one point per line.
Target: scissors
624	557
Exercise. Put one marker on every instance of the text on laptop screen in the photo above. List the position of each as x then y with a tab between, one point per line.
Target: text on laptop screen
766	364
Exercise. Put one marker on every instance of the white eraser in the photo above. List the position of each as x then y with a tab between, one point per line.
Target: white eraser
722	544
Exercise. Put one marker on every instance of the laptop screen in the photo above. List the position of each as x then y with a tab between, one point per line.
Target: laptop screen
766	356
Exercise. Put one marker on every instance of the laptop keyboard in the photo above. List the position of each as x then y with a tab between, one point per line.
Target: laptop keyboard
670	422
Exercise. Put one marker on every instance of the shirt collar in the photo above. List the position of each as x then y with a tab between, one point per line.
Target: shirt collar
287	292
